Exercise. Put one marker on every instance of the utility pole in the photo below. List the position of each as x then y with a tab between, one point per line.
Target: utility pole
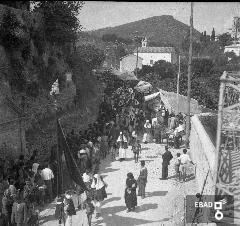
178	78
189	79
136	39
137	62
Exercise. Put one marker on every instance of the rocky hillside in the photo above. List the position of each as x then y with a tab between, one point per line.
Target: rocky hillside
161	29
27	61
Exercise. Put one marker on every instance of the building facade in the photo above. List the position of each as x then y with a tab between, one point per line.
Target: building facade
235	48
236	28
128	63
152	54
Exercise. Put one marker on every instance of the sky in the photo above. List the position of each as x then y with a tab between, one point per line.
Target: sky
206	15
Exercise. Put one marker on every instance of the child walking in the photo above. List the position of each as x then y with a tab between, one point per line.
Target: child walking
136	153
89	210
177	165
139	147
69	208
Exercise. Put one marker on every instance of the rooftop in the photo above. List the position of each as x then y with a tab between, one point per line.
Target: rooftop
155	50
130	55
233	46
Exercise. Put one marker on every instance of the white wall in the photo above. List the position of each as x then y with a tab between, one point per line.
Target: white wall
154	56
129	63
203	153
231	49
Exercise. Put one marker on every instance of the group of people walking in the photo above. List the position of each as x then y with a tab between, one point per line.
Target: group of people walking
181	165
25	186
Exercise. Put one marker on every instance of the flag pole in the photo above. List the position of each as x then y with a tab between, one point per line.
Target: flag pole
189	79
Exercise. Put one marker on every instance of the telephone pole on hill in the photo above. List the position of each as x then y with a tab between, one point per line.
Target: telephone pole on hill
178	79
189	79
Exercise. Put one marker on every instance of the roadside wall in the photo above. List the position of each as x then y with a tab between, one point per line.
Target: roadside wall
202	152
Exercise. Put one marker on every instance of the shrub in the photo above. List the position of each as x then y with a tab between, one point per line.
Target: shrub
26	52
8	28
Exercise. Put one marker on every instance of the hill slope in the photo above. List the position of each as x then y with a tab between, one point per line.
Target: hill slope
162	29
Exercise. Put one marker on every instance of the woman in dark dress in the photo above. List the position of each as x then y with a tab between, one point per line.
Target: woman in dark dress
130	192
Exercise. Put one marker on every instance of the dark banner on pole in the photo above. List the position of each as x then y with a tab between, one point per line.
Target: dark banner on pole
69	173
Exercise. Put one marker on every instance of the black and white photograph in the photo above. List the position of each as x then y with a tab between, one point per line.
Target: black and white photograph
117	113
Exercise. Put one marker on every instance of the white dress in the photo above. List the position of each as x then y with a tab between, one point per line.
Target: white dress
122	153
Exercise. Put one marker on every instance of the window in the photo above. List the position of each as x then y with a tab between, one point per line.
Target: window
151	62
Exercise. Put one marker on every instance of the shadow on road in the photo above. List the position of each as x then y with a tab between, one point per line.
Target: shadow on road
111	219
144	207
113	210
145	148
156	193
109	170
111	200
48	218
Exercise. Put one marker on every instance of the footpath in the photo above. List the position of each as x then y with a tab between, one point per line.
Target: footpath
164	202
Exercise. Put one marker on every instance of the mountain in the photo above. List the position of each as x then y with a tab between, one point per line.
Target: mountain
158	29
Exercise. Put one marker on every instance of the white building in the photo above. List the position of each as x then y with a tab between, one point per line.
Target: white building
128	63
152	54
233	48
236	28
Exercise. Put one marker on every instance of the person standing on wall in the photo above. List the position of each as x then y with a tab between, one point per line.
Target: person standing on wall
166	157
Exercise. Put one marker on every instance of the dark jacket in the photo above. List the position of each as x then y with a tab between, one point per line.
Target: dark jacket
19	215
167	157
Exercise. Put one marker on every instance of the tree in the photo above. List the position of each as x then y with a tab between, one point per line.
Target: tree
202	67
213	35
88	55
25	5
109	37
186	43
120	51
61	22
225	39
163	69
234	60
201	37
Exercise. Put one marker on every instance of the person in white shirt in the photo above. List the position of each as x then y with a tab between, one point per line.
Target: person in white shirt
147	133
184	161
177	135
47	176
35	167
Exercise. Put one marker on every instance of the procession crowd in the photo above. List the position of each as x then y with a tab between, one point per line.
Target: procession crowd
24	184
121	122
113	135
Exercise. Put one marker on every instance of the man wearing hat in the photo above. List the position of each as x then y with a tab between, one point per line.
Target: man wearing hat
167	156
147	134
82	156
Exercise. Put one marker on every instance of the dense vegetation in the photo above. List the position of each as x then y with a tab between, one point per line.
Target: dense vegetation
39	47
208	64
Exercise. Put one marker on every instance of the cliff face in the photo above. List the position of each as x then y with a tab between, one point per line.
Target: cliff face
22	48
28	57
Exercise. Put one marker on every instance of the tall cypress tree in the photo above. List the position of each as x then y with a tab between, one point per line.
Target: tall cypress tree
213	35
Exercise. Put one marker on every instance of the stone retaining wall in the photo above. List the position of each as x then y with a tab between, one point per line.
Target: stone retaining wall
202	152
